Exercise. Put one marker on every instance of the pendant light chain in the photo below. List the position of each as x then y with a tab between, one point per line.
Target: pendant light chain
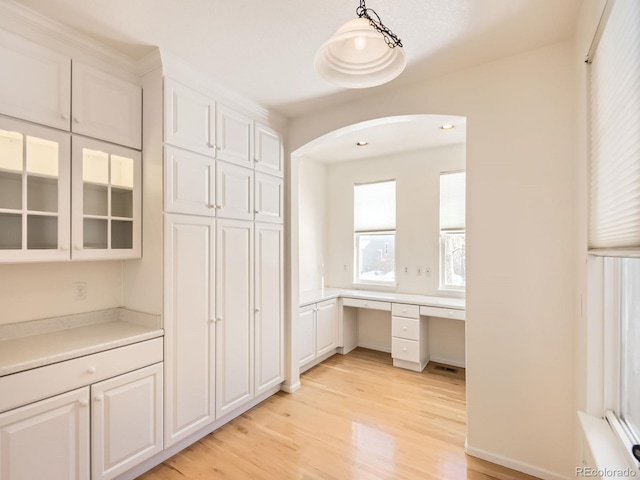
389	37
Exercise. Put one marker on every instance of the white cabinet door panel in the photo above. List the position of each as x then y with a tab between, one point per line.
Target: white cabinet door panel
189	118
35	84
47	439
106	107
326	327
269	308
189	182
269	198
234	132
234	315
306	342
188	323
268	150
126	426
234	191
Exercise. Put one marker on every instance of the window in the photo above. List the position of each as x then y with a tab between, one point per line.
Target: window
614	208
375	232
452	231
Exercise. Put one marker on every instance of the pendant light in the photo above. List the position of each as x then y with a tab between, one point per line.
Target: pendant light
363	53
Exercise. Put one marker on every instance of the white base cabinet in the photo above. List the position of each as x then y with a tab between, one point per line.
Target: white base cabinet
409	340
48	439
317	332
126	421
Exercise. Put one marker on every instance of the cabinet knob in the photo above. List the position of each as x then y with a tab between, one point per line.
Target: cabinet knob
212	205
404	328
77	119
257	310
365	304
404	349
218	319
256	212
83	402
64	116
217	207
404	310
77	247
451	314
91	370
257	160
62	248
98	398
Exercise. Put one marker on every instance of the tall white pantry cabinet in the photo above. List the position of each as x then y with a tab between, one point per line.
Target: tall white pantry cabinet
223	260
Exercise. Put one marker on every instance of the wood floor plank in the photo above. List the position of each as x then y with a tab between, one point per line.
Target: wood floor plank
355	417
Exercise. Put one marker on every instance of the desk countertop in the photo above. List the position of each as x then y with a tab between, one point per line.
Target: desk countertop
313	296
28	345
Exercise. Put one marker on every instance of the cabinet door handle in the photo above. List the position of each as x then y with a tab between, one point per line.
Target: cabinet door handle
77	119
98	398
91	370
83	402
256	212
257	310
257	160
64	116
62	248
218	319
77	247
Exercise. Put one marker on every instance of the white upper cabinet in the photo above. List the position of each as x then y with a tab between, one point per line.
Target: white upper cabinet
234	132
189	182
269	198
34	192
234	191
268	150
35	83
106	107
106	209
189	118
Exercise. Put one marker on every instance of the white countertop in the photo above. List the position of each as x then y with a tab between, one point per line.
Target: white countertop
28	345
313	296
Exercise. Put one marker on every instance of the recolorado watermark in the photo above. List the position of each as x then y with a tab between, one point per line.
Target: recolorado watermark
590	472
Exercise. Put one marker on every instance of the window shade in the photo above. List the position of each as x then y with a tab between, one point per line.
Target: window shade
452	200
614	167
375	206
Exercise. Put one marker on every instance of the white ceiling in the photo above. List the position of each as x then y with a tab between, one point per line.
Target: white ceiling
264	50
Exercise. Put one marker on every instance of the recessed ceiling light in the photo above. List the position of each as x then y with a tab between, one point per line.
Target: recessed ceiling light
362	143
447	126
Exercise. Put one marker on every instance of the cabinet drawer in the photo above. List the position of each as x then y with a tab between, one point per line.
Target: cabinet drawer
372	304
408	328
32	385
407	350
442	312
405	310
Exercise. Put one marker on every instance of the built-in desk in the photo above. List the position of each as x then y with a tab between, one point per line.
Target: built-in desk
409	315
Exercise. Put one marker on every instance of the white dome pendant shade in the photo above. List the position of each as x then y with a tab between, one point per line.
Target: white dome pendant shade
358	56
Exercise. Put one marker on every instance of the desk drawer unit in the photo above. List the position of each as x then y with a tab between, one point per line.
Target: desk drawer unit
360	303
405	310
442	312
406	350
408	328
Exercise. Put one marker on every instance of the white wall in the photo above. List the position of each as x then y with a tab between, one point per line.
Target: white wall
30	291
312	212
520	245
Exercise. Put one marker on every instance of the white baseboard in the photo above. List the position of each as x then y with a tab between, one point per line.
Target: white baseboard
513	464
290	388
375	347
447	361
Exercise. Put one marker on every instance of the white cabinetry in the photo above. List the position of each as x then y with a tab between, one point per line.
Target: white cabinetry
234	315
126	421
34	192
189	325
269	198
409	341
317	332
47	439
189	182
234	191
269	306
36	82
234	132
268	150
106	107
107	210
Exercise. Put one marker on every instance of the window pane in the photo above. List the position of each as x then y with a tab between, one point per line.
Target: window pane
376	257
42	156
453	245
452	200
375	206
630	344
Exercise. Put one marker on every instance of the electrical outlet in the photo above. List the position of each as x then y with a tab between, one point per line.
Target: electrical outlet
427	271
80	290
344	267
419	271
406	270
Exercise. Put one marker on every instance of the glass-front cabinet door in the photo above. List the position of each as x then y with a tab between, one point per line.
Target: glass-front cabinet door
106	200
34	192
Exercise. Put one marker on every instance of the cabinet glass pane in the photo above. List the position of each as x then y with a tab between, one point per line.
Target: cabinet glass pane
121	171
95	166
95	233
10	231
121	203
42	156
42	232
11	150
95	201
11	190
121	234
42	194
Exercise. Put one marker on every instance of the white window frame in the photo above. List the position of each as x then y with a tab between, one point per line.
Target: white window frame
444	288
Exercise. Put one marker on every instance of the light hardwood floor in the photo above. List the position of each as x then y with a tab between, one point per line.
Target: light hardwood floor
355	417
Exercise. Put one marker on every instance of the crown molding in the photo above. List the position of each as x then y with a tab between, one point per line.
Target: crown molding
33	25
150	62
